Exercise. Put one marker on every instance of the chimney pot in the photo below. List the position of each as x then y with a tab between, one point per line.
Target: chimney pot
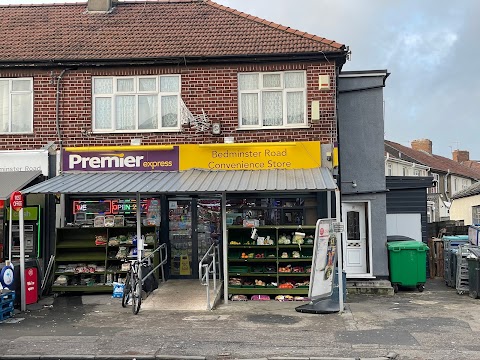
100	5
422	145
460	155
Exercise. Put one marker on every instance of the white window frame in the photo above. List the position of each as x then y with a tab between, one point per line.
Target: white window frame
389	169
284	91
476	215
12	92
136	92
435	189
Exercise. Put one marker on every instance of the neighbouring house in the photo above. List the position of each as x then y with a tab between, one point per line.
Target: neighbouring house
209	121
450	175
466	205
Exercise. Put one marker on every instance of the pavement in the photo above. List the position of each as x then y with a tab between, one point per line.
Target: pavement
435	324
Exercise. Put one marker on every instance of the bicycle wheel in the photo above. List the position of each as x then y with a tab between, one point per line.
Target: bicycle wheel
136	295
127	290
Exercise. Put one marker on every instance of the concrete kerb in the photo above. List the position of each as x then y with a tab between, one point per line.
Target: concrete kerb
390	356
99	357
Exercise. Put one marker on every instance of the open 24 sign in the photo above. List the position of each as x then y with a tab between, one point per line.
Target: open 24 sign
16	200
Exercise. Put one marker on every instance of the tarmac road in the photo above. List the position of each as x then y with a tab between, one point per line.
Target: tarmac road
435	324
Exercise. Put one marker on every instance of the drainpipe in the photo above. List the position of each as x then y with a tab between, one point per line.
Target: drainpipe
57	118
445	184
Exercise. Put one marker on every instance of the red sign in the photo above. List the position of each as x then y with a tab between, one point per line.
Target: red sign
31	286
16	200
2	204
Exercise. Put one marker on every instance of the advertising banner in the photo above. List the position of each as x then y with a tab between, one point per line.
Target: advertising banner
121	160
251	156
24	160
324	259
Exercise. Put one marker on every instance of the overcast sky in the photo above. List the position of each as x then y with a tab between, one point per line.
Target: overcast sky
430	47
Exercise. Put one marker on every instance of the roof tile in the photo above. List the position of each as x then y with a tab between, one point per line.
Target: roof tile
435	162
144	30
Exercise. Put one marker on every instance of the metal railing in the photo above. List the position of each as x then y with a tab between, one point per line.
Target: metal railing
210	265
162	250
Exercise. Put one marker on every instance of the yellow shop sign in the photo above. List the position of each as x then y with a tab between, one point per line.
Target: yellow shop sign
251	156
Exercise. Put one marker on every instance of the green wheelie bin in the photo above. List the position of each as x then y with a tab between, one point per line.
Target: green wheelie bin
407	264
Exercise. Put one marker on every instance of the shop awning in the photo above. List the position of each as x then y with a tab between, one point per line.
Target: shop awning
189	181
15	180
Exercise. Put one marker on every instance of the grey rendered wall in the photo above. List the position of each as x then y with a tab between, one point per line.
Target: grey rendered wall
361	152
361	134
378	209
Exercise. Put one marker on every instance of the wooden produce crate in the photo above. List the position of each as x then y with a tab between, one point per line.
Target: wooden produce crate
435	257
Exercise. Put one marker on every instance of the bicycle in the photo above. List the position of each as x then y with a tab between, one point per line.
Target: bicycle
133	287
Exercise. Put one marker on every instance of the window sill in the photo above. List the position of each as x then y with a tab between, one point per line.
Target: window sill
112	132
303	126
16	133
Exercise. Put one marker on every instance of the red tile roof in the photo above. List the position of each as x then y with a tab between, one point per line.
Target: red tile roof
474	165
435	162
146	30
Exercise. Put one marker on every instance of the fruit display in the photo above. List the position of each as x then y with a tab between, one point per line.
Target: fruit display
260	283
285	269
284	240
287	285
270	264
298	238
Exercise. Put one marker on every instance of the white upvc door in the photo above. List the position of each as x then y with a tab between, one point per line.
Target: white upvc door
355	244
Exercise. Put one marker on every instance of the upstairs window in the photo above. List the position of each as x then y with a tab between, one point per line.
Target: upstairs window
272	100
136	104
16	105
436	181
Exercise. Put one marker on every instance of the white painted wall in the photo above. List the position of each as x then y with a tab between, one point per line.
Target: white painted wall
405	224
461	209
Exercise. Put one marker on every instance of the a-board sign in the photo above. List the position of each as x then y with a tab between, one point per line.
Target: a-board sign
324	259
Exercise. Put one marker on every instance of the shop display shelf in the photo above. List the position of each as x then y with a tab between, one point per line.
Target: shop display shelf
252	246
70	273
295	246
267	291
82	288
293	274
253	274
81	257
78	244
291	259
274	259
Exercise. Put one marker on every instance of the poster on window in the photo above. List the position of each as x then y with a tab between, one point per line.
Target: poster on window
323	260
153	212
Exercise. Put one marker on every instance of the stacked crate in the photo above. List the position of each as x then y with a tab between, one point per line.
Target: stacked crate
436	260
450	250
462	269
7	298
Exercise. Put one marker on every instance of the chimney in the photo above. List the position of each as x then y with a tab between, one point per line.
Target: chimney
460	155
100	5
422	145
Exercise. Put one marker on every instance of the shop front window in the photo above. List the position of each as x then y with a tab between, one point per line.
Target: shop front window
271	211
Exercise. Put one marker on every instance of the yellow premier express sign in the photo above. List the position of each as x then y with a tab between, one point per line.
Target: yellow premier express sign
251	156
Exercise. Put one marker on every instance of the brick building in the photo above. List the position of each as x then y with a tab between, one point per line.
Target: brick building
106	78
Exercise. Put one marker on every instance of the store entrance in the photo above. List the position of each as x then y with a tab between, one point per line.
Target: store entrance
194	224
